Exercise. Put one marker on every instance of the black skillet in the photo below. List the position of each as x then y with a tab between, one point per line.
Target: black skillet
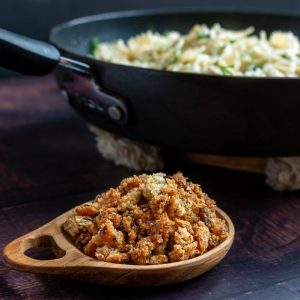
204	113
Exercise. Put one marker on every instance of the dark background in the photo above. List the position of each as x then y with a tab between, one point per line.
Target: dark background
35	17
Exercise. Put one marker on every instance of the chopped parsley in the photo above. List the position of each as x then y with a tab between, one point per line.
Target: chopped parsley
255	66
225	69
203	35
151	28
175	57
165	32
221	49
95	41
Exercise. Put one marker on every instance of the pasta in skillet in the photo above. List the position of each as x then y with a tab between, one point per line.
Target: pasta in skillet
208	50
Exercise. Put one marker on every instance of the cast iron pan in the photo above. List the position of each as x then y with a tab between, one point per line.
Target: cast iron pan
241	116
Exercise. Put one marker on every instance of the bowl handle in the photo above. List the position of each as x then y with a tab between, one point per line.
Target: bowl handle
50	236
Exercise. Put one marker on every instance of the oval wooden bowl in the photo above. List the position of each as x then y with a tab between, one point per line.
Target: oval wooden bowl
73	263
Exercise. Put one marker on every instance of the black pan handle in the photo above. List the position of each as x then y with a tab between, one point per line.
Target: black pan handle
29	56
26	55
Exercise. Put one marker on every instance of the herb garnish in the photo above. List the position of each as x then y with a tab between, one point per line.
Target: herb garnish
203	35
285	56
225	69
151	28
95	41
255	66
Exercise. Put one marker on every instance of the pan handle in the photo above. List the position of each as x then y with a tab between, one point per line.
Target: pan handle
33	57
26	55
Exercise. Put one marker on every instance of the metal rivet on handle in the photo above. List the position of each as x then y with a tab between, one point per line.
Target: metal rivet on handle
115	113
65	94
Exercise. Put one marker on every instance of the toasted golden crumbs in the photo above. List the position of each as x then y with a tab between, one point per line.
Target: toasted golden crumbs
147	220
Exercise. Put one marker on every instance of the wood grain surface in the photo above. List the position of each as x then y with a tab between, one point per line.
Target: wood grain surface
49	163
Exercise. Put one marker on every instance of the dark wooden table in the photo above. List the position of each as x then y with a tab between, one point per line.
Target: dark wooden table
49	163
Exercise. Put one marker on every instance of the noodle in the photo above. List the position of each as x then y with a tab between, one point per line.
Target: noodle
209	50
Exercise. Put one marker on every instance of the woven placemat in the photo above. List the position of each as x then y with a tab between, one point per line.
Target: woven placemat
282	173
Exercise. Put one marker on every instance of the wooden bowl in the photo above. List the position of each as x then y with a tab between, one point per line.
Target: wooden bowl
72	262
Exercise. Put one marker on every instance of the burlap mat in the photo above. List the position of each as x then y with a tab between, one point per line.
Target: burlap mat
282	173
